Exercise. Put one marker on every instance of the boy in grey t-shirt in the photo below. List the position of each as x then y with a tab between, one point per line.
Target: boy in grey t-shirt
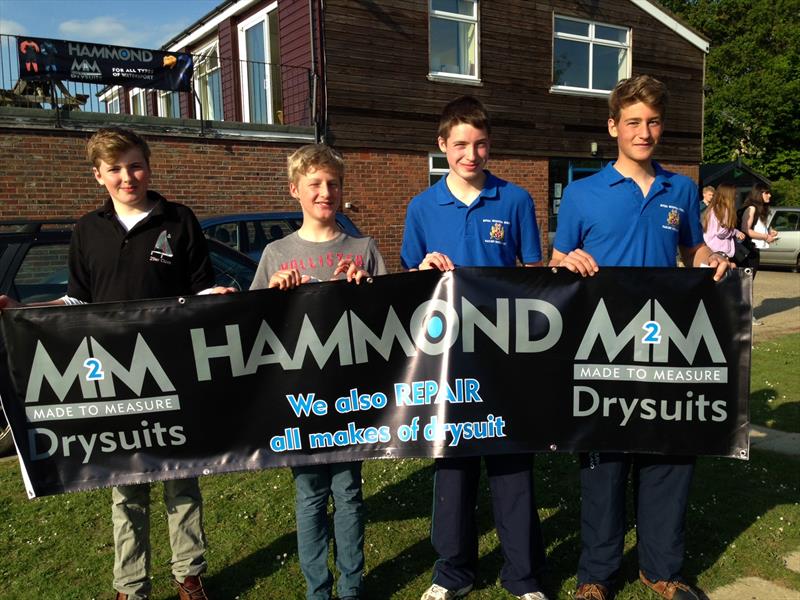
318	251
319	260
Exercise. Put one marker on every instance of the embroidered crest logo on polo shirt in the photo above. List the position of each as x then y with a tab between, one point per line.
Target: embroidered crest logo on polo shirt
162	252
497	232
673	218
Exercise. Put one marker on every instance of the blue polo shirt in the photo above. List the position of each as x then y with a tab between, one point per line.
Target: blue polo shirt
608	216
498	228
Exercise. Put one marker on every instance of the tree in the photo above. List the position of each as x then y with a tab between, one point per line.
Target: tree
753	81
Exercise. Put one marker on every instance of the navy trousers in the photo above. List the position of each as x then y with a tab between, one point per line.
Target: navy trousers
454	532
661	487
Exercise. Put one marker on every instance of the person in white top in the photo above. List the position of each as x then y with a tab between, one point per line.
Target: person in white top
754	224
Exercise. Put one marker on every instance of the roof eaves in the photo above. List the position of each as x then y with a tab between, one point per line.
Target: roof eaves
675	23
206	24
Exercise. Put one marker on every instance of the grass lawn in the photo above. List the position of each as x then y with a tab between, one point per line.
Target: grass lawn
742	521
775	384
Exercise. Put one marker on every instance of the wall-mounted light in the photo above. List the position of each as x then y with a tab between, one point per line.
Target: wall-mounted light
348	205
593	148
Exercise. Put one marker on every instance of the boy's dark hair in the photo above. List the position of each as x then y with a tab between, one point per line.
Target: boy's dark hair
109	142
639	88
466	109
316	157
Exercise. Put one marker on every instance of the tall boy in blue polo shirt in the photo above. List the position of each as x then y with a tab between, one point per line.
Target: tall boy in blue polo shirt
633	213
473	219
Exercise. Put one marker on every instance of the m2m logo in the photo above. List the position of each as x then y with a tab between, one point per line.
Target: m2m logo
102	370
659	330
84	66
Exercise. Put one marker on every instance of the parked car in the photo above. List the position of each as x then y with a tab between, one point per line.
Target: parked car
33	268
249	233
784	251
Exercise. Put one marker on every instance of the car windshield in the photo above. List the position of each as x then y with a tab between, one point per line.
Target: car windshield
231	269
43	273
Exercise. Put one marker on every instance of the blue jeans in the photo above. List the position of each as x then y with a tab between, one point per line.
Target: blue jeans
314	484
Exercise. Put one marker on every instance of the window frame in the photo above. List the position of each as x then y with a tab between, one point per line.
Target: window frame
203	53
137	96
591	40
162	110
459	18
261	16
111	97
437	172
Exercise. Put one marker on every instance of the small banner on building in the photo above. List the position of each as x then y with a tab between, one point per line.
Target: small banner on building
423	364
42	59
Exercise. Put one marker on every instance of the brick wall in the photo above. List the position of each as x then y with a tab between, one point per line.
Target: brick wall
44	174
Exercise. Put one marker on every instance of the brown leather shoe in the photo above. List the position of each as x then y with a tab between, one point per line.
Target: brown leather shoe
592	591
671	590
191	588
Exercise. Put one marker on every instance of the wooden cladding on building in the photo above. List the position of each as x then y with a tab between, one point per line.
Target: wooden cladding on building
380	96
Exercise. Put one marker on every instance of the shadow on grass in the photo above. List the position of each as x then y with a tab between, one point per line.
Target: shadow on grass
784	417
728	497
235	579
557	496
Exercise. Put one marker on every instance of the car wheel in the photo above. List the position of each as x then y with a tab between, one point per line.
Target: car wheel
6	441
796	268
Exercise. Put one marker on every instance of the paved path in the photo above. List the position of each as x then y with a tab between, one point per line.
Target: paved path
776	304
753	588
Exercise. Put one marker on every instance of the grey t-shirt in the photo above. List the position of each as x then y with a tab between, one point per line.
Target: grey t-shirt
317	259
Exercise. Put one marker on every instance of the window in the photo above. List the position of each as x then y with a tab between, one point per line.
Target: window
225	233
259	50
208	83
589	56
437	167
785	221
454	39
169	105
137	98
564	171
111	98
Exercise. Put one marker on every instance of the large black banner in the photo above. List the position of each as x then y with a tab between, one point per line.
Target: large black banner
43	58
476	361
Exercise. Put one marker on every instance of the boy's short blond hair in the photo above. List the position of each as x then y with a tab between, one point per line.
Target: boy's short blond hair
314	157
639	88
110	142
708	188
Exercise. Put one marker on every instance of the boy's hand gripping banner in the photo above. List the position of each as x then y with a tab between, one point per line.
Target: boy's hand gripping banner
470	362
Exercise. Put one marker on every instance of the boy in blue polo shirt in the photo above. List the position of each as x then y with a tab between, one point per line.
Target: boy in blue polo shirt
633	213
473	219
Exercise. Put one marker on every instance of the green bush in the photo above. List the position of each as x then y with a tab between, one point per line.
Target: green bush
786	192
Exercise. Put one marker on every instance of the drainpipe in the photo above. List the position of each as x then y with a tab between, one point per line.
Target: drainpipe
319	103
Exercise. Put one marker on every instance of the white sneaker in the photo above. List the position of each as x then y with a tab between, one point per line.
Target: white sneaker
533	596
437	592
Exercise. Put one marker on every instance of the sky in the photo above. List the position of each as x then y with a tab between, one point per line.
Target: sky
132	23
